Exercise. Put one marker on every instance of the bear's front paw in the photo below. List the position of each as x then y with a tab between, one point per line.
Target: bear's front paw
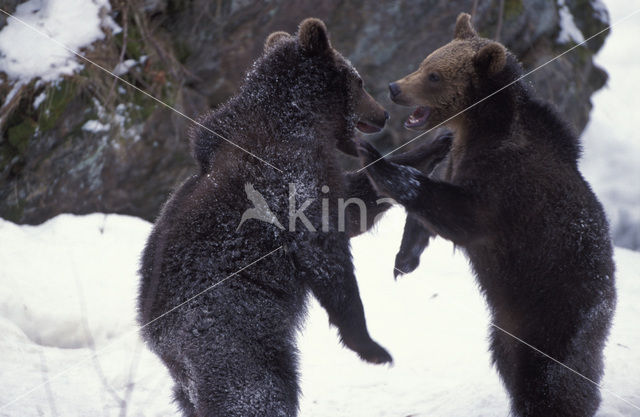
367	349
368	154
442	144
377	168
374	353
406	262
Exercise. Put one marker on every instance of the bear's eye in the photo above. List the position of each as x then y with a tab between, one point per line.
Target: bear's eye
434	78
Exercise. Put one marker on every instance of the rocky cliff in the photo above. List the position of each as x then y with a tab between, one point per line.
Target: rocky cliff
93	144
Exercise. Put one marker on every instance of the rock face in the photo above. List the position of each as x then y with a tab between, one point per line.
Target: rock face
192	55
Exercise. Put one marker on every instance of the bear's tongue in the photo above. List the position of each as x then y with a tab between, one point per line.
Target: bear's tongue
367	128
418	117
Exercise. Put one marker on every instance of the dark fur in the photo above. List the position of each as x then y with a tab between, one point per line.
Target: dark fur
424	158
231	350
416	235
535	234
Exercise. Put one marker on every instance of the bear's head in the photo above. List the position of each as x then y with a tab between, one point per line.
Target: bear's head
313	80
453	77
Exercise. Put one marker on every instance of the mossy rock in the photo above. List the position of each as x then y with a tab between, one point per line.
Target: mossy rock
57	99
20	134
181	50
588	21
512	8
135	42
13	213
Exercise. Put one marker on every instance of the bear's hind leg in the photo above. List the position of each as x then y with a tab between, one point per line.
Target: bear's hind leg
541	387
245	364
182	399
258	391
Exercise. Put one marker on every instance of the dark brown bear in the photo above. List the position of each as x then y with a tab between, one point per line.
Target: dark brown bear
231	348
514	200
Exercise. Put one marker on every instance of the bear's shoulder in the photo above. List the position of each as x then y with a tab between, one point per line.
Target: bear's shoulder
544	125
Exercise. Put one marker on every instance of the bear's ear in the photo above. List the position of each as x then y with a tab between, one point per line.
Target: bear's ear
274	38
491	58
464	30
313	37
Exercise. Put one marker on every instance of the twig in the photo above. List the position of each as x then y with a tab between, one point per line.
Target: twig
9	106
130	383
125	30
474	9
47	386
500	18
90	341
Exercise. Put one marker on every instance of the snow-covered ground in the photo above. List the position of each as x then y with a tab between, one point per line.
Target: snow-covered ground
611	141
70	284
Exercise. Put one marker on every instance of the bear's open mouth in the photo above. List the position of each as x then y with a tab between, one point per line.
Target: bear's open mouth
418	118
367	128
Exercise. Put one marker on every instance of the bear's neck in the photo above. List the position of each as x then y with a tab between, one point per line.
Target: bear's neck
486	126
490	122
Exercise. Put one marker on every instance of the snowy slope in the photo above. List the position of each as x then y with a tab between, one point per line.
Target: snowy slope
56	281
433	322
611	161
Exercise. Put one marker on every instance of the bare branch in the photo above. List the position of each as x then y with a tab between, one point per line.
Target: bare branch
90	340
474	10
47	386
130	382
500	18
125	30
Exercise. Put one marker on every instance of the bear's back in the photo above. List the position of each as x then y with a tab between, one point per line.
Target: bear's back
546	223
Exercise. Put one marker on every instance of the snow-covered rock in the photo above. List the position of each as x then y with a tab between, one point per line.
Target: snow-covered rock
569	32
27	54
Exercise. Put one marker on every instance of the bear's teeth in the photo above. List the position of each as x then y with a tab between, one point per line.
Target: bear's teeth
418	117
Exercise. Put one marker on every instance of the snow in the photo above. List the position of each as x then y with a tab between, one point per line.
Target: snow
611	159
72	277
568	29
26	54
39	99
600	11
13	92
124	67
94	126
75	276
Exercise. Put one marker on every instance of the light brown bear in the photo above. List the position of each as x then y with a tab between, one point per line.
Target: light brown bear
514	201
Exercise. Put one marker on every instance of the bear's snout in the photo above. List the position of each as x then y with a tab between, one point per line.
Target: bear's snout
394	89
